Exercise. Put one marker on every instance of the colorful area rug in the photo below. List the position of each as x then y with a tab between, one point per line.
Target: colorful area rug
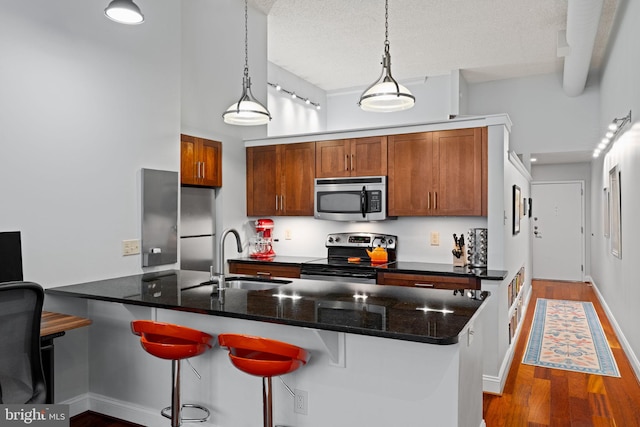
568	335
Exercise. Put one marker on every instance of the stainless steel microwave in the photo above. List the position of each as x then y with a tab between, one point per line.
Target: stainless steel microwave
351	199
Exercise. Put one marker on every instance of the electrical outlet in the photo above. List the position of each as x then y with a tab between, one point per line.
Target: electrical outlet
287	234
435	238
300	402
130	247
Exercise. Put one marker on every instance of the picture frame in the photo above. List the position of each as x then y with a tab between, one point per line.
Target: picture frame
606	212
517	200
615	212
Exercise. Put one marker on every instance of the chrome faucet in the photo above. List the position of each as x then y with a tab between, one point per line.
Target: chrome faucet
221	261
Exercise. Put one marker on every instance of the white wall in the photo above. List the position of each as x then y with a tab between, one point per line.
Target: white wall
85	103
545	120
615	278
292	116
212	69
433	103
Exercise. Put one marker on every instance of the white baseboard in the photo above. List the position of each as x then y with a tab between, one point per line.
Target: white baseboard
626	347
118	409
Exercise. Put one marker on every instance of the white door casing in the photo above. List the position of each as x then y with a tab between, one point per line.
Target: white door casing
558	230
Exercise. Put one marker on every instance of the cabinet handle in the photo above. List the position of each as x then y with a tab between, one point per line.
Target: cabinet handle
276	202
282	202
429	200
435	200
346	159
263	273
425	285
352	162
204	173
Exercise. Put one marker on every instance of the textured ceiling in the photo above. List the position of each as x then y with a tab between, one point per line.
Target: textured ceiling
338	44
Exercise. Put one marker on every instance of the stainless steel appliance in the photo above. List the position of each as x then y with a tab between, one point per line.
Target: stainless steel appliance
351	199
348	258
197	228
159	217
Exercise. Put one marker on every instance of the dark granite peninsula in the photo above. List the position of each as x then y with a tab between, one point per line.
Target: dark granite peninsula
396	312
373	358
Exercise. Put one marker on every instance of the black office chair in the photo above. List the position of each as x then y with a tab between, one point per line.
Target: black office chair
21	375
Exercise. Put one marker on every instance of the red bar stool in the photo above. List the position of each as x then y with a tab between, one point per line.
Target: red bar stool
173	342
264	358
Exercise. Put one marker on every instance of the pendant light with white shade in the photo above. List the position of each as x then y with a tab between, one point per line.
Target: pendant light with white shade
124	12
248	111
386	94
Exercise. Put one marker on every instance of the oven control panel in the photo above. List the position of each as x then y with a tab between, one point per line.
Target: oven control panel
361	240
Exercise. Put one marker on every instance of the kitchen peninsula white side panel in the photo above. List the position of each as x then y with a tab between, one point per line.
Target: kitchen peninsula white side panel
385	381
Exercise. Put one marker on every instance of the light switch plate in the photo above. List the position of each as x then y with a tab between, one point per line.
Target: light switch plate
435	238
130	247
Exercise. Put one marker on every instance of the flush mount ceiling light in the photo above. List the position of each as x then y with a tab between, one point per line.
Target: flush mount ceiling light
248	111
124	12
386	94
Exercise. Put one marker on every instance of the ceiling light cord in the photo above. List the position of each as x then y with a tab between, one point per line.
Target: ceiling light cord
386	94
614	128
248	111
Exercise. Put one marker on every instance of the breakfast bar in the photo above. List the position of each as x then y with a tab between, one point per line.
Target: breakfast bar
379	354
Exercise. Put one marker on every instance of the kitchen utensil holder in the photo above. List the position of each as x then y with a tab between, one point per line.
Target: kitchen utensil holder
478	244
462	261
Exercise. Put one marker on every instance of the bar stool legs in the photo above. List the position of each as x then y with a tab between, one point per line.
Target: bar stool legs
264	358
173	342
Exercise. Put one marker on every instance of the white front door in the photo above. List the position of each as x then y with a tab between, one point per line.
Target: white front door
558	230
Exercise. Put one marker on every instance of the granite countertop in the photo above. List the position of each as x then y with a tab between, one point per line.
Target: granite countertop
407	267
397	312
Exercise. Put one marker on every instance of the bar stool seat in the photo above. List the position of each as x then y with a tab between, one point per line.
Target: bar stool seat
173	342
263	357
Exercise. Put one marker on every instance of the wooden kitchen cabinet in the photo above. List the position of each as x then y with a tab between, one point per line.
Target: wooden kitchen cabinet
264	269
200	161
428	281
280	180
351	157
441	173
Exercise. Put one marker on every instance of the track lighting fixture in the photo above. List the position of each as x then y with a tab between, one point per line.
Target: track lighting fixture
124	12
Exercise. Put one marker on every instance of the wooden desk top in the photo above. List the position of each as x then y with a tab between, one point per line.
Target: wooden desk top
53	323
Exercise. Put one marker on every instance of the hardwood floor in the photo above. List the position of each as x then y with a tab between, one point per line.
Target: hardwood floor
535	396
542	397
92	419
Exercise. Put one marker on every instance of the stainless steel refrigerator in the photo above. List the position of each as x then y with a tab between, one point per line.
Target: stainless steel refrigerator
197	228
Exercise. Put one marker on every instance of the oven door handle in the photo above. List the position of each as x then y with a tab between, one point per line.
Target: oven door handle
363	201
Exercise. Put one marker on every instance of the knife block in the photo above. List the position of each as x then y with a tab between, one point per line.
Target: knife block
462	261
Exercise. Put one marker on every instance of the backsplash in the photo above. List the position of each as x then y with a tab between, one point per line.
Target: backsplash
414	233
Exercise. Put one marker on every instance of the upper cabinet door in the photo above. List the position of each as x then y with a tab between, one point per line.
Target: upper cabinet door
188	165
333	158
200	161
411	175
351	157
298	172
263	183
369	156
211	155
460	154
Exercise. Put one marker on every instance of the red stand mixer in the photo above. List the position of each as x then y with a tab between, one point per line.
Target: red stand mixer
263	244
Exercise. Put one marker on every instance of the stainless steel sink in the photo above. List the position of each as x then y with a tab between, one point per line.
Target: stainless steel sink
254	284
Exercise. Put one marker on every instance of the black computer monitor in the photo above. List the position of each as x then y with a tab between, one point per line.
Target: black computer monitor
10	257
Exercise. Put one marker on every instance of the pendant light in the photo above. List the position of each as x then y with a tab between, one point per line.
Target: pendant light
248	111
124	12
386	94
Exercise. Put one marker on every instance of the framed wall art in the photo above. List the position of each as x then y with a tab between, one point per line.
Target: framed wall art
614	214
606	209
517	202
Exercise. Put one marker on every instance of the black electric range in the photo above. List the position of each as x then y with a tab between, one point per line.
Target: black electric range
348	260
